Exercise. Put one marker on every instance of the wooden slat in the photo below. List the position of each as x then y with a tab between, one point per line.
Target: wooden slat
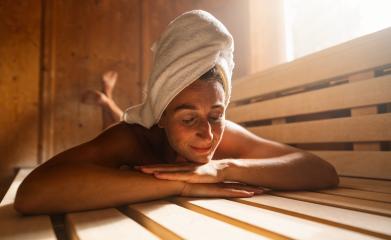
365	146
11	193
340	201
365	184
170	221
15	226
373	196
371	164
105	224
363	128
251	217
362	93
358	221
359	111
358	55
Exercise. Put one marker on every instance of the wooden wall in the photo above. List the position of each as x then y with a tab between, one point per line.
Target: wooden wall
52	51
19	85
84	39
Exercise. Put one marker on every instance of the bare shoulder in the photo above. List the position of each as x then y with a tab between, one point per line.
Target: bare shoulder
238	142
120	144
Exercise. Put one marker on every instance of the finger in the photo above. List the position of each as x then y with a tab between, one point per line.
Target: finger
235	193
178	176
168	165
165	168
256	189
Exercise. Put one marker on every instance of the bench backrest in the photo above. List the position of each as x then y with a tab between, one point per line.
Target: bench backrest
335	103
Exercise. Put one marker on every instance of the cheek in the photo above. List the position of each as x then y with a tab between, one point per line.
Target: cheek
218	131
178	136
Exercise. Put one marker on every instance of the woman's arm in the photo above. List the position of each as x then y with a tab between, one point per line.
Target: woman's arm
275	165
89	177
74	187
249	159
294	171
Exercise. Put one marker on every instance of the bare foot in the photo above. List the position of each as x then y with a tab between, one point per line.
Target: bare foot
108	82
94	97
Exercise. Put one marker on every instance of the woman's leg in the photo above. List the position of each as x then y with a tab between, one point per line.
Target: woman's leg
111	113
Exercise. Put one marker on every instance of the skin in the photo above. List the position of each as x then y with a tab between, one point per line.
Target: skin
192	151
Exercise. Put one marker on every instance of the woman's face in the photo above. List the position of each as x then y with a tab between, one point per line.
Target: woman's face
194	121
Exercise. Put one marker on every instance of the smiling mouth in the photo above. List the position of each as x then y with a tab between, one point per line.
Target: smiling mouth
201	150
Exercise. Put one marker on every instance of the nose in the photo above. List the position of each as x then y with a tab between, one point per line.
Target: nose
204	130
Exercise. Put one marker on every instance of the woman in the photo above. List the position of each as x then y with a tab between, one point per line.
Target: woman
177	142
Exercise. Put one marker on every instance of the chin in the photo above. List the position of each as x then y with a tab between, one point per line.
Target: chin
201	159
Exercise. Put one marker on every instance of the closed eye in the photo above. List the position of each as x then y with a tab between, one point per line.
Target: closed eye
188	121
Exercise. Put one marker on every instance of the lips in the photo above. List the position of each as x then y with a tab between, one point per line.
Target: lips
201	150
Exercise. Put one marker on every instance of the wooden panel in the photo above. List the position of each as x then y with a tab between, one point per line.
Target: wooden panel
258	219
359	111
358	221
374	196
19	82
89	38
105	224
267	25
15	226
339	201
364	128
358	55
362	93
170	221
371	164
366	184
47	90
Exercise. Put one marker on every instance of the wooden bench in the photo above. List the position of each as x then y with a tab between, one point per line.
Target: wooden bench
335	103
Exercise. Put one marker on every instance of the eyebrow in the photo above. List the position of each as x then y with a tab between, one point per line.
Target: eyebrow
187	106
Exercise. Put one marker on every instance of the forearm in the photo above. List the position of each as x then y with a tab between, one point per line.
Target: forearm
75	187
297	171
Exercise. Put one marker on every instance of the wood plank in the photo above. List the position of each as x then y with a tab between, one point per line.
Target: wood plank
278	121
19	86
105	224
15	226
363	93
361	76
364	111
363	128
11	193
371	164
358	221
366	146
373	196
365	184
379	208
251	217
360	54
170	221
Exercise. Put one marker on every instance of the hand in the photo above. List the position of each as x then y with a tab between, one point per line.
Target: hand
221	190
212	172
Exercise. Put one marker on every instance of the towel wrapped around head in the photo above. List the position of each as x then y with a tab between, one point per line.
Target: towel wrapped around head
192	44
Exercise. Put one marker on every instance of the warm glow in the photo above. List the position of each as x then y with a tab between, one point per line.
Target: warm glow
311	26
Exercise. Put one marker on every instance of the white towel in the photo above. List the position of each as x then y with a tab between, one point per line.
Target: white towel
192	44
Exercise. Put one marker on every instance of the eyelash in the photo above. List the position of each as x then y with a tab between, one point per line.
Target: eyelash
189	121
